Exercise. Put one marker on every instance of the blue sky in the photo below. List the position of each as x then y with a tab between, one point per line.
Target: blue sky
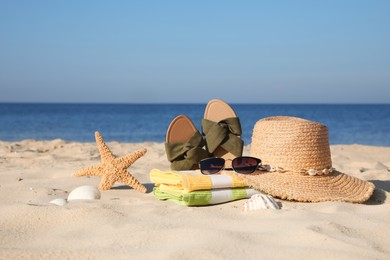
193	51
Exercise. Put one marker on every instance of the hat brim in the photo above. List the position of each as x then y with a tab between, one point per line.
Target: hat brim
336	186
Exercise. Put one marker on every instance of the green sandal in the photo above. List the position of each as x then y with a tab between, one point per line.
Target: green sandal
222	129
183	144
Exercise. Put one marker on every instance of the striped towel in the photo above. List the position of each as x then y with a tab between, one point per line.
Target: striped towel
203	197
193	180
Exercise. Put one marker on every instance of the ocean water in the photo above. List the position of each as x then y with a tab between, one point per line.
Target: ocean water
348	124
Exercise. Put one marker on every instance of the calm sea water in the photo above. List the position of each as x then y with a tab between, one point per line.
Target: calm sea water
348	124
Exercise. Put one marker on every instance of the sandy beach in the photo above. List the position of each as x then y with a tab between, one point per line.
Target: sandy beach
128	224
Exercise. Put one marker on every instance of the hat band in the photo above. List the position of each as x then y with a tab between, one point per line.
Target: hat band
310	172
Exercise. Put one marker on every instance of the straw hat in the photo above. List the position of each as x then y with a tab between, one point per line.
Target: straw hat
296	155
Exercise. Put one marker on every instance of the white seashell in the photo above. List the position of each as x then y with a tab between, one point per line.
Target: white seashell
302	171
266	167
271	203
253	203
84	193
59	202
312	172
260	201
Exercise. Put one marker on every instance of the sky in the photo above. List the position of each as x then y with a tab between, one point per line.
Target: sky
73	51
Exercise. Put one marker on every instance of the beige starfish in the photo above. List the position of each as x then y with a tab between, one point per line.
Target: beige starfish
112	169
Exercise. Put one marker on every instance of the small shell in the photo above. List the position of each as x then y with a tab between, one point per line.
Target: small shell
260	201
59	202
84	193
326	171
302	171
312	172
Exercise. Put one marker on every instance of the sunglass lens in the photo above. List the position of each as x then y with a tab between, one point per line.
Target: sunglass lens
245	165
211	165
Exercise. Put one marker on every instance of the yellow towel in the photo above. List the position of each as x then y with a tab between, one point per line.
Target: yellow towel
193	180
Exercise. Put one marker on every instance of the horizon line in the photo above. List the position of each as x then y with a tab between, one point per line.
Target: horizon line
183	103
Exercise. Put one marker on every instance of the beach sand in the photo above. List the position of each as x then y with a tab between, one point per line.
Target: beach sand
127	224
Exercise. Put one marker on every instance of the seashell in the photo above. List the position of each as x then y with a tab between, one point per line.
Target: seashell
260	201
84	193
302	171
312	172
59	202
266	167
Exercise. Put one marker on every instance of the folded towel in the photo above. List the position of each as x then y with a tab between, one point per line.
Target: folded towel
203	197
194	180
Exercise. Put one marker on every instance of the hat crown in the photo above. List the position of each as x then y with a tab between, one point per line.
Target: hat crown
291	143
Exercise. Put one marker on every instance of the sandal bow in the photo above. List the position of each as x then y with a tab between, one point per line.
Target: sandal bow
224	133
184	155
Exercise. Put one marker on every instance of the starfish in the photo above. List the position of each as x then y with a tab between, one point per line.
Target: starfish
112	169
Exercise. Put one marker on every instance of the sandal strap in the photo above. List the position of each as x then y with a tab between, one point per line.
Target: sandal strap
183	156
224	133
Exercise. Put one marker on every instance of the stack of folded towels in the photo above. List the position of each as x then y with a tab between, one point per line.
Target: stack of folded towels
191	188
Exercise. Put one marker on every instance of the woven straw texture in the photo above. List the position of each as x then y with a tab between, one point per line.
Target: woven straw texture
306	188
291	143
294	144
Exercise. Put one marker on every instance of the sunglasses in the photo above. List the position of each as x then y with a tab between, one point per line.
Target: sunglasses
244	165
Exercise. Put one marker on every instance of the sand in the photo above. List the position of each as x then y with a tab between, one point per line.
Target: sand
127	224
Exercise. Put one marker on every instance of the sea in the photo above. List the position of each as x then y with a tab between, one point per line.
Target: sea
347	123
